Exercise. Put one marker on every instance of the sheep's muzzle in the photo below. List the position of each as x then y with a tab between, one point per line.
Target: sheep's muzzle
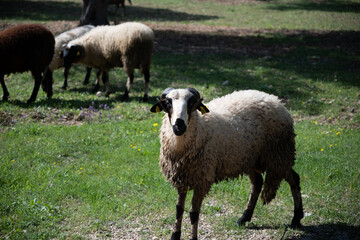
179	127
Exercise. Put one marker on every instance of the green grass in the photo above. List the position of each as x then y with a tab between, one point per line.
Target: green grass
80	166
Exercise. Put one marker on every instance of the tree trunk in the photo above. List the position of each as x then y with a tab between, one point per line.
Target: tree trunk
94	12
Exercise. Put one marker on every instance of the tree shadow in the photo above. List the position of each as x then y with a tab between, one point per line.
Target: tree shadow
71	11
136	13
40	10
319	232
329	231
325	6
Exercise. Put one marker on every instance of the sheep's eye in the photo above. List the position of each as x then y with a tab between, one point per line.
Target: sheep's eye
168	103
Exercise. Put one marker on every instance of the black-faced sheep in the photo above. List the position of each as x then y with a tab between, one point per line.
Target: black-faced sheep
246	132
127	45
57	62
23	48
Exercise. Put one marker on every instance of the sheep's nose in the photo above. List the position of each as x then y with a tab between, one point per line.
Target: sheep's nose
179	128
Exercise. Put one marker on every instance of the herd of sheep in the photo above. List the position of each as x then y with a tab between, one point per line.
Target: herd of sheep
243	133
31	47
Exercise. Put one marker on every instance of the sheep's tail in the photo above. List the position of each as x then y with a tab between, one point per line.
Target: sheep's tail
271	185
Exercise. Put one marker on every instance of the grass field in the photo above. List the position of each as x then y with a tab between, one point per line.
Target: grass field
79	166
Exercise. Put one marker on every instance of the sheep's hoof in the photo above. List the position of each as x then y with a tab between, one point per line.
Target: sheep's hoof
107	94
96	88
30	101
5	98
125	97
85	82
295	223
241	222
246	217
63	87
145	98
176	235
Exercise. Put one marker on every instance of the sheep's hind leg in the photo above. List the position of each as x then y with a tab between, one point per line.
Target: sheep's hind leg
37	77
147	83
105	79
256	185
179	213
130	80
6	93
294	181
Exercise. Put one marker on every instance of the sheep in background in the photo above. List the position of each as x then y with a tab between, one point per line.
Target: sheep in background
246	132
117	3
128	45
57	62
23	48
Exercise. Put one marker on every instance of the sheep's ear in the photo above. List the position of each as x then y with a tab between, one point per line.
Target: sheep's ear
157	107
202	108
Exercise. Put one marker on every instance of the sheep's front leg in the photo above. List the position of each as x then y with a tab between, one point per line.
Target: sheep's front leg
179	213
196	202
87	76
256	185
147	83
6	93
66	74
105	79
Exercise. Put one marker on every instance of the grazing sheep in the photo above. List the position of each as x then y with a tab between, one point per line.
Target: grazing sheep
57	62
23	48
127	45
246	132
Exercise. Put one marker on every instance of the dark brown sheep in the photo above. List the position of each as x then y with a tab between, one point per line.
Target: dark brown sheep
28	47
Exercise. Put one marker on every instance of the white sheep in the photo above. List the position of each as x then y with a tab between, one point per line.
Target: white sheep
128	45
57	62
246	132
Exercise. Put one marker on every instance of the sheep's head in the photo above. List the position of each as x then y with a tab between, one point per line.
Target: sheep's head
71	54
179	104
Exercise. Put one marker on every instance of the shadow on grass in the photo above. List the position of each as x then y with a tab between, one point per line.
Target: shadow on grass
324	6
54	11
315	55
320	232
329	231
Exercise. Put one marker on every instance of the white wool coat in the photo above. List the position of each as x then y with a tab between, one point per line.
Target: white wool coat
64	38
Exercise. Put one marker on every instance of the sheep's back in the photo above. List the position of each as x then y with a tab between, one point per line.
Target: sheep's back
112	46
25	47
254	125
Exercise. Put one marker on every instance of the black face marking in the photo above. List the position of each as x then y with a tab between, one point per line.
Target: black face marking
168	105
190	106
